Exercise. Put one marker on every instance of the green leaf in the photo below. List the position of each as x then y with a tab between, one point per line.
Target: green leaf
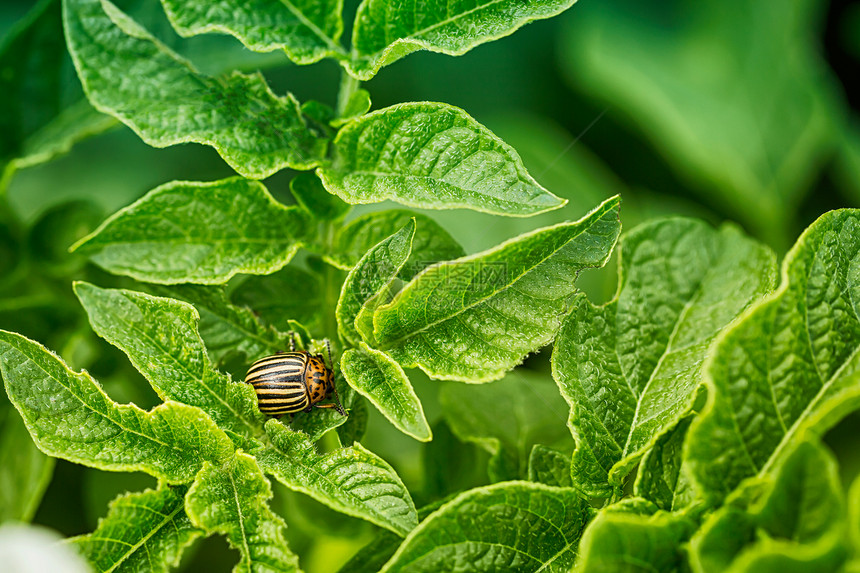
376	269
377	377
510	526
160	337
313	198
130	75
749	129
350	480
789	366
475	318
357	105
681	283
662	476
24	471
232	500
198	232
145	531
432	156
228	329
431	243
796	521
507	418
289	294
44	111
625	542
71	417
549	467
386	31
307	30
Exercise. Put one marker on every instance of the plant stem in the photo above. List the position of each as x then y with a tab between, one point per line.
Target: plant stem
348	86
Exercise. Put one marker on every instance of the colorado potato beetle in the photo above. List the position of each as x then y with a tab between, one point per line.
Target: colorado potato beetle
294	381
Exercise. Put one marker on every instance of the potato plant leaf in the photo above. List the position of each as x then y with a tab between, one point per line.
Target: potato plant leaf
24	471
475	318
508	526
795	521
44	109
386	31
662	477
549	466
160	337
621	541
790	366
431	156
350	480
145	531
431	243
507	418
233	500
681	282
69	416
307	30
377	377
376	269
228	329
199	233
130	75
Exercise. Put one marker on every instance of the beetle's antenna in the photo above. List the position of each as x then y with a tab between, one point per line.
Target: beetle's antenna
292	341
328	349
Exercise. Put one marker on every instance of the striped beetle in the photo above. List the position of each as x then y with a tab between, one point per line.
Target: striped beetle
294	381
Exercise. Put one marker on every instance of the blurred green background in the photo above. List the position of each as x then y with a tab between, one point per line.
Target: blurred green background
727	110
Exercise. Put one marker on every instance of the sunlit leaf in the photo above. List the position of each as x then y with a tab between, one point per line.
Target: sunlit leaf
386	30
795	523
307	30
509	526
130	75
70	416
377	377
233	500
160	337
376	269
198	232
432	156
681	283
351	480
475	318
789	367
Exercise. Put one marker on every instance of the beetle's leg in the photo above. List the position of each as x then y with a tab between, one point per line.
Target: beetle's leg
336	407
309	408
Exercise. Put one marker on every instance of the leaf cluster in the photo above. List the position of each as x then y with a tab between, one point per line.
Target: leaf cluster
676	428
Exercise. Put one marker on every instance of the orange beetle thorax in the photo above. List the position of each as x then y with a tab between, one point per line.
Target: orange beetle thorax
319	380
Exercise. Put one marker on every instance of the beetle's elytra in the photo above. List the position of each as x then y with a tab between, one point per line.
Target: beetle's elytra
290	382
